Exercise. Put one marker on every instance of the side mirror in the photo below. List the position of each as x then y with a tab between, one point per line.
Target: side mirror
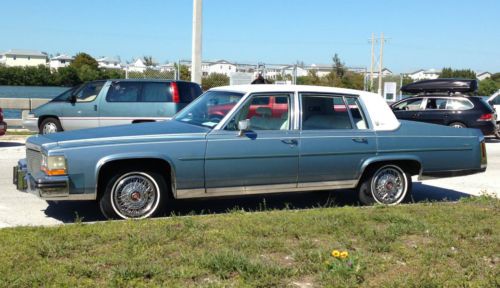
243	126
72	99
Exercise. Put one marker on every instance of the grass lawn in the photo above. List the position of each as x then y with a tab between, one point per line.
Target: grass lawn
419	245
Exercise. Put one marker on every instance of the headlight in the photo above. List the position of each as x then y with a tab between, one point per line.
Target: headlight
54	165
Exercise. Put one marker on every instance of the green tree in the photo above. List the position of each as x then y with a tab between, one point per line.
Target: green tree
462	73
66	76
87	73
84	59
184	73
338	66
487	87
148	61
214	80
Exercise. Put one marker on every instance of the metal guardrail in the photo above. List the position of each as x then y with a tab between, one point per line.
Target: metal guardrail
24	104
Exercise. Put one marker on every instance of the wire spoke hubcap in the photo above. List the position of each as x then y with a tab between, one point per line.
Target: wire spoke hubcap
389	185
135	195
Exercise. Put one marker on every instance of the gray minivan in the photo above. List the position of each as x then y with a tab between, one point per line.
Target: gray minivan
112	102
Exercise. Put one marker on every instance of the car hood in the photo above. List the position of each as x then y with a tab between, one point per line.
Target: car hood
141	132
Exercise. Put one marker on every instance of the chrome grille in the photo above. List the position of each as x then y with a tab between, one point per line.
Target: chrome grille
34	160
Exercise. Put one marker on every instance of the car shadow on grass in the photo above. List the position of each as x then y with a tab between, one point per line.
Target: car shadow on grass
88	211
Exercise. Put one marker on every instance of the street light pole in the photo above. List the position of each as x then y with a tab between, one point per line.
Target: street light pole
196	43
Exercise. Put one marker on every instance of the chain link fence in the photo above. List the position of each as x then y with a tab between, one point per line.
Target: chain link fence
222	73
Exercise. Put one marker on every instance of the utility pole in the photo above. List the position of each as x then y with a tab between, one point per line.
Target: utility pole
373	62
380	64
196	43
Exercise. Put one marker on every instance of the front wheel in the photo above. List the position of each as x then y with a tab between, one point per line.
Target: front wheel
50	125
132	194
387	185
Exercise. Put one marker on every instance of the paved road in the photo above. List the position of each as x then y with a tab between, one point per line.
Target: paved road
18	208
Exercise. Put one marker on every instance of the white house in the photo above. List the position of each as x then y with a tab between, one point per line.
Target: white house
424	74
18	57
221	67
109	63
385	72
137	65
168	67
483	75
60	61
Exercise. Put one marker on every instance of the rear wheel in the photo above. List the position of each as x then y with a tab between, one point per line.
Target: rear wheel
50	125
134	194
457	125
388	185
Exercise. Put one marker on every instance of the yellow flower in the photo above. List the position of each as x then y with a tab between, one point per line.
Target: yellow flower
344	254
336	253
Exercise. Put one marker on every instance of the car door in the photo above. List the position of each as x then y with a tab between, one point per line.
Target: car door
408	109
121	103
262	160
435	111
84	112
335	140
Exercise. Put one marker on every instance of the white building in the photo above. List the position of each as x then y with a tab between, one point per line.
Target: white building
385	72
137	65
168	67
109	63
18	57
221	67
60	61
424	74
483	75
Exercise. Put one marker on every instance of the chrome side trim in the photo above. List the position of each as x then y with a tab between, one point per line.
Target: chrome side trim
71	197
265	189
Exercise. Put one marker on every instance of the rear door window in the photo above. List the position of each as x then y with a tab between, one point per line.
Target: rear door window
156	92
124	92
458	104
188	91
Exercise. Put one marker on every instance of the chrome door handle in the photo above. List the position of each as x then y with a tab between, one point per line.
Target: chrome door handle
290	141
360	140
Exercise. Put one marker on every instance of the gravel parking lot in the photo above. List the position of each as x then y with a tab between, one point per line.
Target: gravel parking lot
20	209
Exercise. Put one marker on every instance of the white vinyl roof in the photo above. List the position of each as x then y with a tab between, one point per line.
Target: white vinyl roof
381	115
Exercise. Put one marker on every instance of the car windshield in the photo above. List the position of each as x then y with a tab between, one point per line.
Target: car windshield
66	94
208	109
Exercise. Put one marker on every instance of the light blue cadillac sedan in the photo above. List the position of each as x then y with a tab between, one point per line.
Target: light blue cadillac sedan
249	139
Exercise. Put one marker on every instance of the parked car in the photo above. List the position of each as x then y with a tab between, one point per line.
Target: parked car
3	125
494	101
133	170
443	101
112	102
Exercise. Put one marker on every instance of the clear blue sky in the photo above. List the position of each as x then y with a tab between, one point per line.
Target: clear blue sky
423	34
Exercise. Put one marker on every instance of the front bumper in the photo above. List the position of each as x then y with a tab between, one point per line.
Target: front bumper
43	186
31	124
3	128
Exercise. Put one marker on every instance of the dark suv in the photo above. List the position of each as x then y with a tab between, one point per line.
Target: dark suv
445	102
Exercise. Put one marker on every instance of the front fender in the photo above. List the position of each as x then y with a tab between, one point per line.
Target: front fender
128	156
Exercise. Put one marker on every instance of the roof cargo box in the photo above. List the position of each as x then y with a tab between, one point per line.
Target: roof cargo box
441	85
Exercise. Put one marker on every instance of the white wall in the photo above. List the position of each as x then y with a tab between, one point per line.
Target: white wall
12	61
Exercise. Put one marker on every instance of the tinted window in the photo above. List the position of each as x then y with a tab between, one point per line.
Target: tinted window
65	95
156	92
263	117
281	100
88	92
436	104
260	101
124	92
410	104
459	104
188	91
321	112
496	100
